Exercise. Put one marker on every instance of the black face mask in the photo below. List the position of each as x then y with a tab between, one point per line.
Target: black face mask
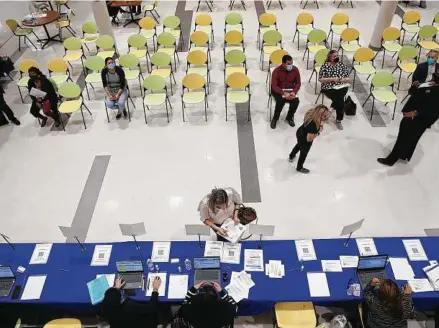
336	59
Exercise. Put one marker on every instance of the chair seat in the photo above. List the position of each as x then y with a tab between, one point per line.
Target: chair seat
237	97
270	49
205	29
315	47
365	69
408	67
131	74
428	45
411	28
61	323
304	29
154	99
148	7
384	96
63	23
23	31
237	27
175	33
193	97
199	70
59	79
93	78
227	49
89	37
105	53
234	69
350	47
148	34
73	56
295	315
139	53
23	82
268	28
317	69
168	51
392	46
203	49
70	106
337	29
163	72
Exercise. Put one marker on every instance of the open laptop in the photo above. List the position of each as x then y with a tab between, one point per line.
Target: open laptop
207	269
7	280
131	272
371	266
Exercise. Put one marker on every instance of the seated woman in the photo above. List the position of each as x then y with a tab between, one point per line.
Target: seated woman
208	305
387	305
115	86
332	74
49	103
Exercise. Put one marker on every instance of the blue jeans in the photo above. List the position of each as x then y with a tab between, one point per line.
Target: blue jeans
118	104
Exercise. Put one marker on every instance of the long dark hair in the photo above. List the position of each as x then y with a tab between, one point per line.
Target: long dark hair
217	197
390	297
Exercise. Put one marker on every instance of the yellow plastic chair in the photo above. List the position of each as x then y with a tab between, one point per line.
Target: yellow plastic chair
233	22
304	25
350	40
64	323
59	67
234	61
316	40
23	68
381	89
390	42
71	102
237	91
274	60
410	24
157	95
66	23
233	40
200	41
203	22
362	63
161	65
339	22
426	38
295	315
148	29
151	8
319	60
21	32
271	41
198	63
105	46
194	92
407	61
267	22
89	33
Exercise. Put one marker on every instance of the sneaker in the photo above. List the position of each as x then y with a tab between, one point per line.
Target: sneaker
273	124
118	116
339	125
291	123
125	114
291	158
15	121
385	161
43	122
303	170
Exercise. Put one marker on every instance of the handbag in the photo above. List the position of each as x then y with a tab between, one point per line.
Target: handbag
350	108
47	110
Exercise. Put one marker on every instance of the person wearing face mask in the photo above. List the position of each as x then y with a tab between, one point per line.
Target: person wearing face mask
122	312
285	84
49	104
334	73
420	111
115	86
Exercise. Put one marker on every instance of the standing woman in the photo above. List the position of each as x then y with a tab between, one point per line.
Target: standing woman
307	132
332	74
115	86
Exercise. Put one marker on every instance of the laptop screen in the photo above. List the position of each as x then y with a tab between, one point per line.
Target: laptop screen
6	272
207	263
372	262
129	266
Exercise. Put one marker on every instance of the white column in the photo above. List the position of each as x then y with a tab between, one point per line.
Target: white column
384	20
102	19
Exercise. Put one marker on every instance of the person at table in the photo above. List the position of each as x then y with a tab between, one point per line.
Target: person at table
112	12
307	132
122	312
6	110
388	306
49	104
217	207
334	73
208	305
285	84
115	86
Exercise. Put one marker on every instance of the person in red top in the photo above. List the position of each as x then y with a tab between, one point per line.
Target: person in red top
285	83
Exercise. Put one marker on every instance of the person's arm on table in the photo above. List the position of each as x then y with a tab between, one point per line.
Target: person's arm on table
407	303
369	292
223	294
192	292
152	306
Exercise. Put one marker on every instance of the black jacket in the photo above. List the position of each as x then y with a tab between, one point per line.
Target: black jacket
119	72
46	87
421	72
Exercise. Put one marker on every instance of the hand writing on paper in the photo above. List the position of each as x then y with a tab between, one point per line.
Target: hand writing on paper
156	284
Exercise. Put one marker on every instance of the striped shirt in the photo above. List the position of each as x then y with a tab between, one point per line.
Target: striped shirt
223	295
379	317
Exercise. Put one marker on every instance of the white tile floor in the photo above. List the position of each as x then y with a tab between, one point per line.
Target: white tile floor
159	172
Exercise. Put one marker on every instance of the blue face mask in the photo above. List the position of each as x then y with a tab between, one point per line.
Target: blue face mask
111	66
289	68
431	61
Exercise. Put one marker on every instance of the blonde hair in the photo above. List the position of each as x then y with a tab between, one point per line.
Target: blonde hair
316	114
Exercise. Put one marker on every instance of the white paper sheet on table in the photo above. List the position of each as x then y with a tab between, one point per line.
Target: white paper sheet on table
366	246
231	253
349	261
331	266
414	250
234	231
41	254
275	269
150	280
305	250
178	286
213	248
110	278
421	285
101	255
318	284
161	251
245	279
238	288
33	288
253	260
401	268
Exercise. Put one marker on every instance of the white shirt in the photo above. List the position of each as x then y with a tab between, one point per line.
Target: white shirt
221	215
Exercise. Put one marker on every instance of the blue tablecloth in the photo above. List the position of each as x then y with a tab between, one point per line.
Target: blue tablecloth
68	270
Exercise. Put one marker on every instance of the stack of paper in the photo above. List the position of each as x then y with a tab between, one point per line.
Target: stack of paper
160	251
305	250
366	246
420	285
97	289
253	260
213	248
432	272
275	269
149	283
178	286
402	270
318	284
101	255
234	231
331	266
240	284
414	249
231	253
349	261
110	278
34	287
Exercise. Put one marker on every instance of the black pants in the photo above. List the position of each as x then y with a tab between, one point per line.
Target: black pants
35	110
280	102
337	97
303	146
4	108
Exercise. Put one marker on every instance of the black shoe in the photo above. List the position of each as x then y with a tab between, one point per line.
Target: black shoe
15	121
125	114
43	122
118	116
303	170
57	123
273	124
4	123
291	158
291	122
385	161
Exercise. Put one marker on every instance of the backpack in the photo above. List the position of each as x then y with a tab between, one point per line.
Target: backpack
350	108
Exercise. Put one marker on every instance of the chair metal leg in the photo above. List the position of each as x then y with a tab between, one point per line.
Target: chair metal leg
106	110
83	118
366	99
373	106
394	110
21	96
182	108
144	111
167	113
249	101
205	108
399	80
31	42
129	113
86	88
384	57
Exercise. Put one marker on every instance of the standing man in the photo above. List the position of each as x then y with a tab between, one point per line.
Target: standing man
5	109
285	85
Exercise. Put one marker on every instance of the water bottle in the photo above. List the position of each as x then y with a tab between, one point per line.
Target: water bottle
157	269
179	269
188	264
150	265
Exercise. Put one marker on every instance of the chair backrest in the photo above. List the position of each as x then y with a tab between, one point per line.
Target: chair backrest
391	34
95	63
105	42
193	81
12	24
147	23
382	79
276	56
340	19
427	32
203	20
154	83
200	38
72	43
350	34
171	22
320	56
304	19
161	59
65	322
25	64
235	57
89	28
436	18
267	19
129	61
166	39
233	37
197	57
272	37
363	55
69	14
233	19
317	36
57	65
296	314
137	41
237	80
411	17
54	85
407	53
69	90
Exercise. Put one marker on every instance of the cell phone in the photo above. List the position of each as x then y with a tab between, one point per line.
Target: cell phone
16	292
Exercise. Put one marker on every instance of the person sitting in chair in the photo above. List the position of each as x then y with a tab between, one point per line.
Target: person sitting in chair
115	86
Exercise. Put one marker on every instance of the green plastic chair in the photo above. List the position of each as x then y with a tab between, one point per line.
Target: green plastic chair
234	61
95	64
73	51
166	43
233	22
137	45
316	40
426	36
158	94
271	41
89	34
161	66
407	61
436	20
72	101
21	32
381	89
132	68
171	24
105	45
319	60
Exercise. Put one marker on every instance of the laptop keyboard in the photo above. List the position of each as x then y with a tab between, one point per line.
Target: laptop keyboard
5	285
208	275
131	277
